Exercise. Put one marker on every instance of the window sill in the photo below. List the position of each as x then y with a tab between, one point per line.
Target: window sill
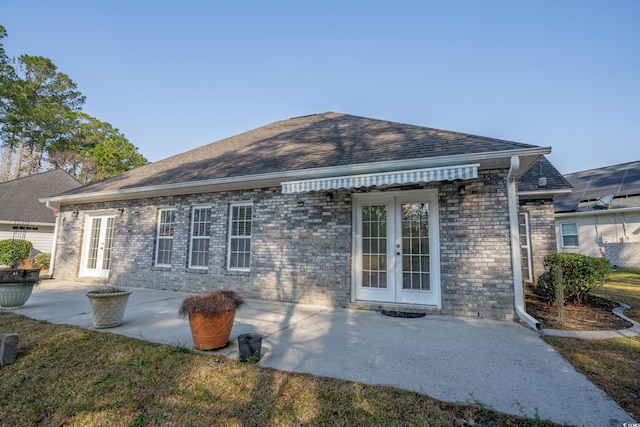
160	268
197	270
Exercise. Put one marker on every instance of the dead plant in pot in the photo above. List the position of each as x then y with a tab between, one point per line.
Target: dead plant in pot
211	317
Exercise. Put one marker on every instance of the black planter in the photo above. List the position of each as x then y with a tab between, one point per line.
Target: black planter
250	347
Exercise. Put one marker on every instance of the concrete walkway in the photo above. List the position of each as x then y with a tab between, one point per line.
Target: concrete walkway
503	365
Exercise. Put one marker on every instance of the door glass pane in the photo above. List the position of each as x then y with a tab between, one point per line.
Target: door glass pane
108	239
415	247
374	246
94	243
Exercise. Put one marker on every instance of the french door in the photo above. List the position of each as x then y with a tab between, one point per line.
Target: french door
96	246
396	248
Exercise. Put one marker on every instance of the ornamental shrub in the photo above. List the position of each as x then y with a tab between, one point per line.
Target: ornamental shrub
13	252
580	274
42	260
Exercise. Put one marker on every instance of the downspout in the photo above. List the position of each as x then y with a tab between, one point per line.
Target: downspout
56	211
514	231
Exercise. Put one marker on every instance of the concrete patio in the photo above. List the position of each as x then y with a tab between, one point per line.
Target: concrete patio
503	365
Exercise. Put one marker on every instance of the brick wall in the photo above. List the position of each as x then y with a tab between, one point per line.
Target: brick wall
301	246
542	232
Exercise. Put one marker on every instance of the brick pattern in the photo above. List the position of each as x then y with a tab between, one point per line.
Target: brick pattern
613	235
542	232
301	245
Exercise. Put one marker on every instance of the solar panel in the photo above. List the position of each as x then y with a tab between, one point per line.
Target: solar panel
619	180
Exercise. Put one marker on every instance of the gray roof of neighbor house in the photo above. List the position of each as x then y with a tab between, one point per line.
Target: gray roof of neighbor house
19	197
314	146
622	182
529	184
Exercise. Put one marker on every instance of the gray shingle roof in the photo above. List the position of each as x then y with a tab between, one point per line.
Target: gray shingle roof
319	140
622	181
542	169
19	197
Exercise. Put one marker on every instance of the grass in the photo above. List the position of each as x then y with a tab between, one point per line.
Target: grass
612	365
74	377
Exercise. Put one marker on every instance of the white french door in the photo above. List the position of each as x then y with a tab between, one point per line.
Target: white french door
96	246
396	247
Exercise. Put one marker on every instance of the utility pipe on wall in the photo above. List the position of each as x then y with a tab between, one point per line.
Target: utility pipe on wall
514	231
56	211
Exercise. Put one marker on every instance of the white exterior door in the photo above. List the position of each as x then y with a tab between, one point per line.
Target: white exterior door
96	246
396	248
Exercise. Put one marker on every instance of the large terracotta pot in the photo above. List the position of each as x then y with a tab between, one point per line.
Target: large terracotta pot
210	333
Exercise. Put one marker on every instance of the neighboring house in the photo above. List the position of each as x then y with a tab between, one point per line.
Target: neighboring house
601	218
328	209
21	214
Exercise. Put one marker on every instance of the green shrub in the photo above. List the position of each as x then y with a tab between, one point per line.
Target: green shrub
13	252
42	261
580	274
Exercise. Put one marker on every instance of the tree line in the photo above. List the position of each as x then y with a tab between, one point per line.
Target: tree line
42	126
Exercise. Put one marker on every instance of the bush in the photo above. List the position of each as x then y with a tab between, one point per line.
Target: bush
580	274
42	261
13	252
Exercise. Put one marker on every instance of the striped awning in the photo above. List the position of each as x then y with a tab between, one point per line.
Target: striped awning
448	173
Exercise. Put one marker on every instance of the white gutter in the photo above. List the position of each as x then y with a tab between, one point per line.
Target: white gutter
596	212
56	211
516	265
276	178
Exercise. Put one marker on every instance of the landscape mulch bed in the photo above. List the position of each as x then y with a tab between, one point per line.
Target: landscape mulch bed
594	314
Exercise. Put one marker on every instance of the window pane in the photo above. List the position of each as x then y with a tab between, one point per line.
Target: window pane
240	229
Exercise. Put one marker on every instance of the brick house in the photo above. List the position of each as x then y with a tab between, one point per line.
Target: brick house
327	209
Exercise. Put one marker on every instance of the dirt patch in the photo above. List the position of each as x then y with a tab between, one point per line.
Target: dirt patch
593	315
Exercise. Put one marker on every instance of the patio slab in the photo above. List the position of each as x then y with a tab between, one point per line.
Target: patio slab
503	365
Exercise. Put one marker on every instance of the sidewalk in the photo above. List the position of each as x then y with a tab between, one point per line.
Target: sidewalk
503	365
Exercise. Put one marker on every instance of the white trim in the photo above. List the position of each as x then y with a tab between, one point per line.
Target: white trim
191	239
449	173
394	293
596	212
275	178
562	235
250	238
159	223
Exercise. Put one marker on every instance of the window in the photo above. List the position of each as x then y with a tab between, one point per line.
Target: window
525	246
164	239
569	234
200	236
240	218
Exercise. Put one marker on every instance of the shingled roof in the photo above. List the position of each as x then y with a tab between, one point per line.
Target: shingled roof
303	143
529	184
19	197
620	181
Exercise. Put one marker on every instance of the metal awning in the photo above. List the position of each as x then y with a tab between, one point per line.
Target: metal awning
448	173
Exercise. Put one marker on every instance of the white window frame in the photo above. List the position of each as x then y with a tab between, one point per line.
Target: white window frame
527	246
244	237
205	237
563	235
160	236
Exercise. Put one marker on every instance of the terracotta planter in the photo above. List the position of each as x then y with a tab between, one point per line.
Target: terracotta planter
107	308
16	286
210	333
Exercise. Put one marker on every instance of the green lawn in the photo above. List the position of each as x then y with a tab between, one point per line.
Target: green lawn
74	377
613	365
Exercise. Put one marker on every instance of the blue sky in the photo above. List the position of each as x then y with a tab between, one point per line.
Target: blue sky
177	75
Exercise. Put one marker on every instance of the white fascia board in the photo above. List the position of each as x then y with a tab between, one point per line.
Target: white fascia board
533	194
276	178
596	212
28	224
